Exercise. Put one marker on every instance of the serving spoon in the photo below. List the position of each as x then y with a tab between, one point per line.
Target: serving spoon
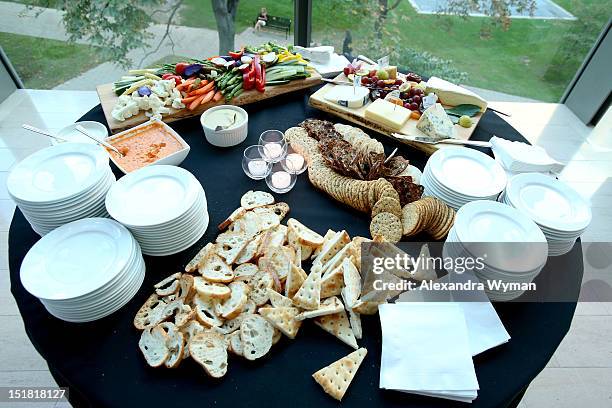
432	141
223	127
102	142
42	132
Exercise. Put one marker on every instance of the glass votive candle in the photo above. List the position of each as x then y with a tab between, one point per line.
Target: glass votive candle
294	162
279	180
254	165
274	146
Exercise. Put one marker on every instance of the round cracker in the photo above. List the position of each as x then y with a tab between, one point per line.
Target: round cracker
387	204
387	226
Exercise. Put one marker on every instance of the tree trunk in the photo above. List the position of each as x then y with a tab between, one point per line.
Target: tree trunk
225	15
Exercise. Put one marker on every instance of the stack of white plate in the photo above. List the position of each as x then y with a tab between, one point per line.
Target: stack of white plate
460	175
61	184
561	212
510	245
84	270
163	206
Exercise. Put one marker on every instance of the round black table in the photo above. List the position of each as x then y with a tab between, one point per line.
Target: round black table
102	366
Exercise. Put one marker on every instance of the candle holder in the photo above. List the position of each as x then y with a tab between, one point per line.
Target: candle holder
254	164
294	162
279	180
274	145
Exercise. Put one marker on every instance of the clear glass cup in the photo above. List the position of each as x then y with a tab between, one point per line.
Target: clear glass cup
279	180
274	145
294	162
254	164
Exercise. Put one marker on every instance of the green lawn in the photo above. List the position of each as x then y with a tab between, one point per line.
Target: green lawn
44	64
520	61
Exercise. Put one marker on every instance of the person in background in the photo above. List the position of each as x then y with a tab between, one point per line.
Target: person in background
261	19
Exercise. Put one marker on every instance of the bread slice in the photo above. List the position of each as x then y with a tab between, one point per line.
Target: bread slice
338	325
214	269
206	312
259	284
189	330
248	225
283	318
332	283
332	247
192	266
280	209
328	306
175	343
179	312
278	261
152	344
229	245
150	313
268	219
337	377
211	290
249	251
252	199
294	242
294	281
186	288
309	295
232	307
230	326
169	285
245	272
304	234
249	308
235	343
209	349
256	335
237	213
278	300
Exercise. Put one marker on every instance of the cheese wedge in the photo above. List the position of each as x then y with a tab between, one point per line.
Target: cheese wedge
387	114
349	96
453	95
435	123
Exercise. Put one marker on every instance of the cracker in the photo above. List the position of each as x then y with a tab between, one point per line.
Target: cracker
294	281
329	306
338	325
332	283
387	204
309	295
278	300
282	318
387	226
337	377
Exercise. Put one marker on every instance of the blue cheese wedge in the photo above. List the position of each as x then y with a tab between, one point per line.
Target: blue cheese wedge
453	95
387	114
349	96
435	123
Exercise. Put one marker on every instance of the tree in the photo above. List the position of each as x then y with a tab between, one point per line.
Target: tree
225	15
499	11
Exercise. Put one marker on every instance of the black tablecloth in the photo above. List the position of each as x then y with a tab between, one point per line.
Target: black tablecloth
103	367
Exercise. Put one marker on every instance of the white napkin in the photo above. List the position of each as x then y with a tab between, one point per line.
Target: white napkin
333	67
519	157
425	350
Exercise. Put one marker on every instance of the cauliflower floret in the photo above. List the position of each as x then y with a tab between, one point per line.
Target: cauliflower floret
177	104
123	100
159	89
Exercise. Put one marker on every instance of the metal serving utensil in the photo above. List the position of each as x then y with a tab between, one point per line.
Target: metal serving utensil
432	141
102	142
42	132
222	127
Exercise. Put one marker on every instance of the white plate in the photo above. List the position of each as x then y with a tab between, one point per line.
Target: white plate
181	248
57	173
76	258
152	195
467	172
71	134
549	202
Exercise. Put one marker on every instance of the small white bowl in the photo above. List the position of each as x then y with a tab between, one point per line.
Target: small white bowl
227	137
173	159
96	129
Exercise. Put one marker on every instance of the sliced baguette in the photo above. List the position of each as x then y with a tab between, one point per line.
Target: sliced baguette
169	285
214	269
256	335
206	312
259	284
237	213
280	209
189	330
150	313
245	272
211	290
192	266
209	349
304	234
229	245
175	343
252	199
152	344
235	343
248	252
232	307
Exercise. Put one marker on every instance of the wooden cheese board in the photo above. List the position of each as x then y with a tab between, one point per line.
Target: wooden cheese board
357	116
108	99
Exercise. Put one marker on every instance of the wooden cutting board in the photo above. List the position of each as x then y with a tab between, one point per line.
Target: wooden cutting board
108	99
357	116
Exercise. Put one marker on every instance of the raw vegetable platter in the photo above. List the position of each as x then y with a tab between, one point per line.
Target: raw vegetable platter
357	116
188	88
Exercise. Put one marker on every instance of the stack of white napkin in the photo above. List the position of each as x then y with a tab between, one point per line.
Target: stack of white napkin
519	157
427	347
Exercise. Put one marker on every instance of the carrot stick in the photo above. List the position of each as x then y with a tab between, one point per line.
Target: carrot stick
184	84
202	90
208	97
189	99
196	102
217	96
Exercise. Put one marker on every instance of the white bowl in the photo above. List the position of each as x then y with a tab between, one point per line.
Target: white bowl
227	137
96	129
173	159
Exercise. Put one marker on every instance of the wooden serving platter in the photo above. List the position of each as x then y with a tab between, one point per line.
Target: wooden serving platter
317	100
108	99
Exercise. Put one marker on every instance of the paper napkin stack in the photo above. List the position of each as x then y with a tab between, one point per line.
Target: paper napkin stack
518	157
427	347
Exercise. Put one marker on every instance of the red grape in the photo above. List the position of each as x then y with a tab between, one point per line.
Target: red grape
416	99
347	71
374	79
372	73
380	83
418	91
414	106
365	80
407	105
398	82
